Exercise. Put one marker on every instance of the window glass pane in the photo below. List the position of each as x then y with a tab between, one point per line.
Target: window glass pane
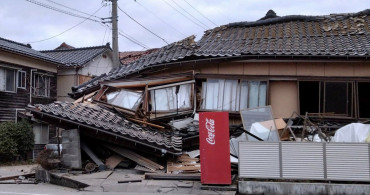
163	99
2	79
125	99
212	94
21	79
336	97
41	133
41	84
253	94
229	95
262	94
184	96
10	80
243	95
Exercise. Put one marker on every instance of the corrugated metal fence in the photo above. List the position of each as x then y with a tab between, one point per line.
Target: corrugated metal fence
308	161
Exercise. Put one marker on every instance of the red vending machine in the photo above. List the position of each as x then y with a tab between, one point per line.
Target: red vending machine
214	148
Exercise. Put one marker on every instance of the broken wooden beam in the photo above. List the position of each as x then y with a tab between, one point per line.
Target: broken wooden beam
16	176
135	157
113	161
130	181
93	157
165	176
146	123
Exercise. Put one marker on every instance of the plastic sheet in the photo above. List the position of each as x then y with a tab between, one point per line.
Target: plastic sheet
354	132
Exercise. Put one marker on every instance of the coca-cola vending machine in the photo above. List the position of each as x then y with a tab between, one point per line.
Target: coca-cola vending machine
214	148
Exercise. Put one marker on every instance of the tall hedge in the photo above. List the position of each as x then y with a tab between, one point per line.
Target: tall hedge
16	138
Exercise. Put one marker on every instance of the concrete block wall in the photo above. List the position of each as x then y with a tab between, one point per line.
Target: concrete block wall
71	153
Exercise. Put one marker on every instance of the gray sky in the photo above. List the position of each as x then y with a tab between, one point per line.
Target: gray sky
26	22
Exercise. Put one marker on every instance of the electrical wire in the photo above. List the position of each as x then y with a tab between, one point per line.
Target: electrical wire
61	11
71	8
200	13
130	38
142	25
184	15
189	14
148	10
67	29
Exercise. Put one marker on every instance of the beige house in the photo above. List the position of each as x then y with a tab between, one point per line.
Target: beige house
80	65
296	64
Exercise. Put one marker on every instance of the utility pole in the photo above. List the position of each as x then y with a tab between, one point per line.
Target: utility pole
116	61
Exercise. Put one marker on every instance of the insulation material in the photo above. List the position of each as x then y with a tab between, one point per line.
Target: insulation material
354	132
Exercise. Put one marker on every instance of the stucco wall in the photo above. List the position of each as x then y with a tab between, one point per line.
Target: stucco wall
27	62
97	66
65	84
283	98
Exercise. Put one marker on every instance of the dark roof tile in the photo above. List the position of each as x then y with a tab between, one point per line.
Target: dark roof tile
99	117
26	50
76	57
332	35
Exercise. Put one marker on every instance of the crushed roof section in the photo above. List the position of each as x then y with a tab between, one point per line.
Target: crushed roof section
127	57
95	116
76	57
25	50
335	35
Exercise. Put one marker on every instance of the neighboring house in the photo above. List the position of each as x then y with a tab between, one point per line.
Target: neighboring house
79	65
296	64
27	77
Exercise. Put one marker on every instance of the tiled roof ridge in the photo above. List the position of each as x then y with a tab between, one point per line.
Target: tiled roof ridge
290	18
21	44
75	49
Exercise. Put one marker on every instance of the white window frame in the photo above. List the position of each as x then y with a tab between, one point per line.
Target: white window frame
5	76
21	74
36	82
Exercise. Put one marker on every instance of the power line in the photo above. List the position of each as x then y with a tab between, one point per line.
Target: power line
184	15
61	11
130	38
189	14
148	10
143	26
71	8
200	13
68	28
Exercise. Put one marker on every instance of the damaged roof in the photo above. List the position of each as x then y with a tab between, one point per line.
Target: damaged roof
76	57
25	50
335	35
97	118
127	57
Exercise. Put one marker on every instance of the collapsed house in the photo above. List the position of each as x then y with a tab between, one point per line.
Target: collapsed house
296	64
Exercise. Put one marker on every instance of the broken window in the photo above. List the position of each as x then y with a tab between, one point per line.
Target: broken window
125	98
232	95
8	79
364	99
171	98
41	85
326	97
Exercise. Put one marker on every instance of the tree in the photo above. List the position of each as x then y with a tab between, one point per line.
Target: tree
16	138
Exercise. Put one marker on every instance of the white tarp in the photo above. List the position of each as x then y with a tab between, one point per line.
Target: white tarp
354	132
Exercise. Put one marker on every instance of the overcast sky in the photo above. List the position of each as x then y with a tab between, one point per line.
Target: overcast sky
26	22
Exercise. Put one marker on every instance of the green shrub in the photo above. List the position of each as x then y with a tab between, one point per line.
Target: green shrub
16	138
